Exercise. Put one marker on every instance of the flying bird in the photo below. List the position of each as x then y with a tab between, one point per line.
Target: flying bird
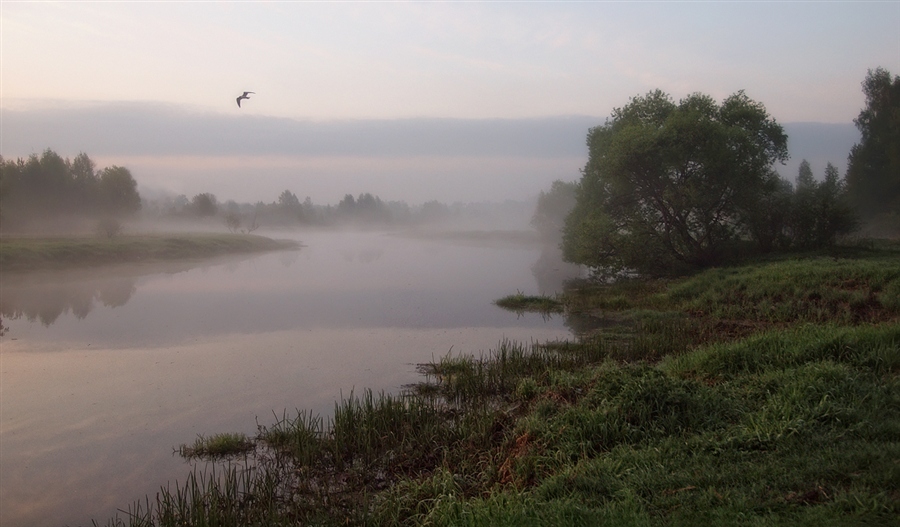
244	96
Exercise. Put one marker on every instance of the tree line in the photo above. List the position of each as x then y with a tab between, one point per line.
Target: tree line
363	210
46	185
669	187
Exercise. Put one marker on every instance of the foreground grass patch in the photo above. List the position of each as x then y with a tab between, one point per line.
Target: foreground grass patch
563	434
822	289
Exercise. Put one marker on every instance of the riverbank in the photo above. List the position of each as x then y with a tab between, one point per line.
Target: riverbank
30	253
763	394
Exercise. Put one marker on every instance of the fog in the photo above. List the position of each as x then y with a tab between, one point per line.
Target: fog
247	158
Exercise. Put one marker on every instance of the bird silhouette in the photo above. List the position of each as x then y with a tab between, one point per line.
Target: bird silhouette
244	96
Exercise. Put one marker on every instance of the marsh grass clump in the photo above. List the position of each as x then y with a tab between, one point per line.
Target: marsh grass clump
387	432
468	380
217	446
521	303
300	437
231	495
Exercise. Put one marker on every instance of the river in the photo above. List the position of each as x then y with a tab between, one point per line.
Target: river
104	371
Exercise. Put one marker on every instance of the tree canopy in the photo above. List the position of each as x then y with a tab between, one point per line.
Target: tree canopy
669	186
48	185
873	168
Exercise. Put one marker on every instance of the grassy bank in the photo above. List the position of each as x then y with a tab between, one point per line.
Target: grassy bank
18	254
767	394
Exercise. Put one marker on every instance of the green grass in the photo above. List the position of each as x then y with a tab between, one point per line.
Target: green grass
752	395
521	303
19	254
823	289
217	446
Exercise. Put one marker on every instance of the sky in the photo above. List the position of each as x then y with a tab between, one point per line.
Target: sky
407	100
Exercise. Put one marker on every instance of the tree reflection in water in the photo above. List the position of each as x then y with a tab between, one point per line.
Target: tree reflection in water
46	295
48	301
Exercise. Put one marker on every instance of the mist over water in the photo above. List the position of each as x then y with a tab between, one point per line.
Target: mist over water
104	371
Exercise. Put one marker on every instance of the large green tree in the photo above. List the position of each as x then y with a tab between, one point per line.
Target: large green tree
873	169
669	186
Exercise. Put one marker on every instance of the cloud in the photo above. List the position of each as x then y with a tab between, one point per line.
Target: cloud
249	157
142	129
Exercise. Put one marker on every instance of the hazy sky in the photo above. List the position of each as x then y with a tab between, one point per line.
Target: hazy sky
470	63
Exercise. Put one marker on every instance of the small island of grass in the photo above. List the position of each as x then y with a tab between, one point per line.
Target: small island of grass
31	253
520	303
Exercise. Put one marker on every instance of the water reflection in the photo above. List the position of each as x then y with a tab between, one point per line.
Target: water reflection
46	301
44	296
147	357
388	282
551	272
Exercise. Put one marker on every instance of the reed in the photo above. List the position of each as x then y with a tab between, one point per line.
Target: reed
300	437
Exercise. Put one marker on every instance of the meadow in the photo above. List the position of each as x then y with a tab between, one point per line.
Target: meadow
761	394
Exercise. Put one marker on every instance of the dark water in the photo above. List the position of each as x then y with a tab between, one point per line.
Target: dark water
103	372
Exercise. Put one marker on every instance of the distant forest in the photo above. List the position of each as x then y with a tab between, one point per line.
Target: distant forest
48	192
363	210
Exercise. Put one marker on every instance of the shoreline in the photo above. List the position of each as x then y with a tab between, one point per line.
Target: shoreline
24	254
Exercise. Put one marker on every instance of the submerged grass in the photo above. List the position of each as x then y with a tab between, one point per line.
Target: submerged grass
521	303
682	415
23	254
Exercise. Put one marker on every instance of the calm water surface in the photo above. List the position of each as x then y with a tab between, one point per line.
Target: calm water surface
103	372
